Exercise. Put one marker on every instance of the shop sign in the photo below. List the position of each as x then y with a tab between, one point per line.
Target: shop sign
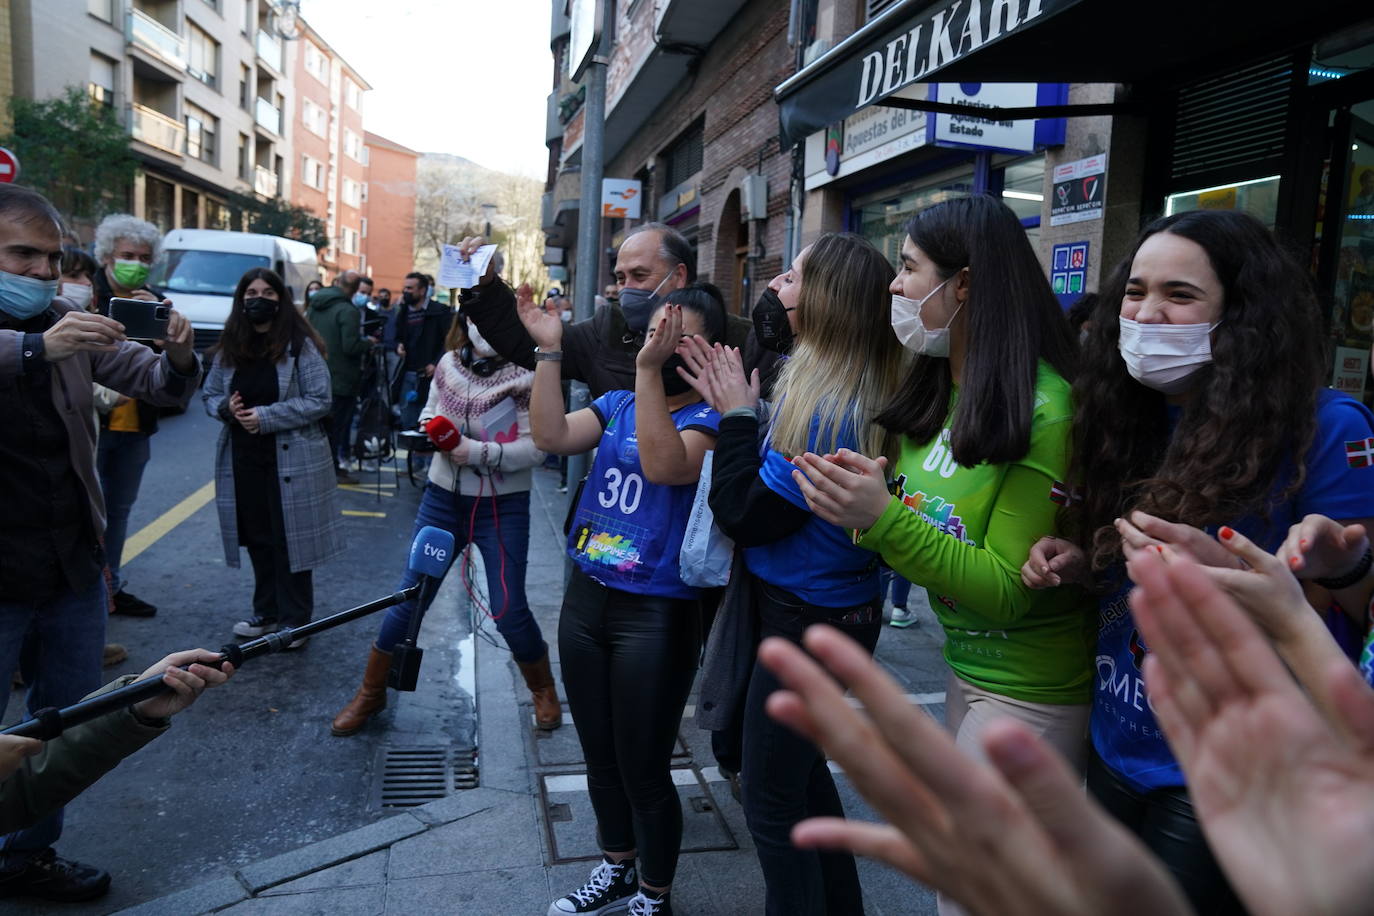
1069	271
620	198
874	126
1351	368
969	130
1080	187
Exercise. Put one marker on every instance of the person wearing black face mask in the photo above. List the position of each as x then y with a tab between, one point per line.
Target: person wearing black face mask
269	385
652	262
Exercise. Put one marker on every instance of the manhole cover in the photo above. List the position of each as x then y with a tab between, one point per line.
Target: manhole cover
411	776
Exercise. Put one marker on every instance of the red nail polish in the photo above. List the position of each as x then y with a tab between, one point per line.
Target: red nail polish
1294	562
1227	533
1303	543
1159	549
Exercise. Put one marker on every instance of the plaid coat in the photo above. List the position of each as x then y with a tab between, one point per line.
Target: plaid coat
305	468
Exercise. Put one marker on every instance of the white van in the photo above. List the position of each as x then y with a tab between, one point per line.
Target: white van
199	269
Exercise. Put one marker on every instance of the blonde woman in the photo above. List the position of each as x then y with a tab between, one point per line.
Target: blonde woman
830	309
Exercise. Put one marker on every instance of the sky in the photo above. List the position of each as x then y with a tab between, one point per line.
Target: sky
467	77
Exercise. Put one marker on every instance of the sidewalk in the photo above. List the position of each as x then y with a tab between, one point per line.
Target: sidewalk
526	835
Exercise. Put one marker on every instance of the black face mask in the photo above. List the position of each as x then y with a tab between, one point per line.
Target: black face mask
409	299
259	310
674	384
771	326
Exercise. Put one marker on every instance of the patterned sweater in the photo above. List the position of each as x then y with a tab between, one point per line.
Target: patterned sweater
500	461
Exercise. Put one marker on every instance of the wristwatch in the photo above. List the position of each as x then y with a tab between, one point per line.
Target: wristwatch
550	355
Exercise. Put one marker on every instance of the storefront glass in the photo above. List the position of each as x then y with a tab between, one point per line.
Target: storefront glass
1023	190
882	217
1352	219
1259	197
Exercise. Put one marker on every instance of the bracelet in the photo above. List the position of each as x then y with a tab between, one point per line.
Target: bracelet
1355	575
549	355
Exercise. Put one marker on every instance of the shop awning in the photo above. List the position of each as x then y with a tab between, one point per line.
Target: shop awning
1069	41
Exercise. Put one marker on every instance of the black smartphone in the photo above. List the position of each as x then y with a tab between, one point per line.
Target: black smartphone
142	320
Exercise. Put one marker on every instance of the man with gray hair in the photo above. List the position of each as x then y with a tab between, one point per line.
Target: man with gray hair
52	591
125	248
653	261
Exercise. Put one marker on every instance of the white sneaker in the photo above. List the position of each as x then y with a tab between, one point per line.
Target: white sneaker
641	904
607	891
903	617
255	626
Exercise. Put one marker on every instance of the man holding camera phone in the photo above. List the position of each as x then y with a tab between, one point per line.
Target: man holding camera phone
52	588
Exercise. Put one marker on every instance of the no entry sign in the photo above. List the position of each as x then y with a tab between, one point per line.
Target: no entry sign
9	165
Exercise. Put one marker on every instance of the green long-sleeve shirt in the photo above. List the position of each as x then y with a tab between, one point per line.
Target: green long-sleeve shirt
964	533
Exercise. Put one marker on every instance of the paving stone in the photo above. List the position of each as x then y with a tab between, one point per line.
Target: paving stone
501	837
502	892
343	901
464	804
355	873
329	852
202	898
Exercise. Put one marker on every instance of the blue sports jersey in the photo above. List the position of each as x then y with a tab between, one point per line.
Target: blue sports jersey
818	563
1339	484
627	532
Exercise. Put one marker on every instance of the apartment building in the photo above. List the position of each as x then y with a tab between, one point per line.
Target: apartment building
199	83
388	222
326	131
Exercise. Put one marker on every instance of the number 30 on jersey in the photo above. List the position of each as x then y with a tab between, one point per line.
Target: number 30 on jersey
622	489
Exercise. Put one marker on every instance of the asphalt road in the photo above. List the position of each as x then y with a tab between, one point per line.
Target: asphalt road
251	770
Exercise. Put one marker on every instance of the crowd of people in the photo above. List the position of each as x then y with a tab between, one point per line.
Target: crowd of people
1146	544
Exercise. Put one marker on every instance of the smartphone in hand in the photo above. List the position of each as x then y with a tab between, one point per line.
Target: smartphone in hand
142	320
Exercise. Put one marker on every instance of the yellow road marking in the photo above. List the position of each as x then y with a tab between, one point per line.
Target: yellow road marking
358	514
168	520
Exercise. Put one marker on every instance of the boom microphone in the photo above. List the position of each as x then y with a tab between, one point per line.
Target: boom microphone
431	552
430	555
443	434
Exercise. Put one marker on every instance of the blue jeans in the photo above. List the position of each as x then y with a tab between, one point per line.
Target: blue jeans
503	556
61	641
119	460
901	588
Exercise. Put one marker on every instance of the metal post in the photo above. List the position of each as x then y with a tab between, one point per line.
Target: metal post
589	214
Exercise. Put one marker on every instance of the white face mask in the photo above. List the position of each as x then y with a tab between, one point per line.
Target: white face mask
912	332
480	347
77	292
1165	356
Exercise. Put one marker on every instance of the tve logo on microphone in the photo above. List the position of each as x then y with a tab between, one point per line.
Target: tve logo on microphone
431	552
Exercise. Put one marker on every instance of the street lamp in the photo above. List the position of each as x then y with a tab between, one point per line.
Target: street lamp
487	211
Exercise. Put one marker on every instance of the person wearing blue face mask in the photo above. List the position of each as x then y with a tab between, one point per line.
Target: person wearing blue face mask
363	297
653	261
52	591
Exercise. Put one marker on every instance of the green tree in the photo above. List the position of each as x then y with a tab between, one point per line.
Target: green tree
74	152
277	217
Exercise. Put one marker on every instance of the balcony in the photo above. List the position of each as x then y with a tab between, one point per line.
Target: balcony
268	116
156	129
152	36
553	125
270	50
264	181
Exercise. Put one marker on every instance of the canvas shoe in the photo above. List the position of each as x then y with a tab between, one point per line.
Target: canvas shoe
608	890
903	617
646	903
255	626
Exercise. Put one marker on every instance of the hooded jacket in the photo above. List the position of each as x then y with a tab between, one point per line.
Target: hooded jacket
335	317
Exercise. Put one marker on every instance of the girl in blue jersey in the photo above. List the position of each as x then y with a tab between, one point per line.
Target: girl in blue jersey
845	367
629	634
1200	402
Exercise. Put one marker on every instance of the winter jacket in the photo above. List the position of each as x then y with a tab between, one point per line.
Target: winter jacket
336	319
424	344
305	466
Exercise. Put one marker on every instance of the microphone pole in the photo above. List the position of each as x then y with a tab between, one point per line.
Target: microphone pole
50	722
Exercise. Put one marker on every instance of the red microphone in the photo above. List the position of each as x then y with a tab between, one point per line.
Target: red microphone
443	433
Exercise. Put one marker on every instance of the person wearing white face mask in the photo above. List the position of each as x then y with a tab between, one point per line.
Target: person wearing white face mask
984	416
1201	403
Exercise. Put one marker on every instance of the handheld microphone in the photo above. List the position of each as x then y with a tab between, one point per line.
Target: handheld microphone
443	434
430	555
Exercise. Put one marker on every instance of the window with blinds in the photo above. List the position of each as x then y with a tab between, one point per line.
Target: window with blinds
873	7
1232	123
683	159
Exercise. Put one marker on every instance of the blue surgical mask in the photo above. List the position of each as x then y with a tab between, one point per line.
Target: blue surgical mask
360	299
24	297
638	305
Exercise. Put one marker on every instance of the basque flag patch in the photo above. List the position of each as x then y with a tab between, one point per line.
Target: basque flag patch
1360	453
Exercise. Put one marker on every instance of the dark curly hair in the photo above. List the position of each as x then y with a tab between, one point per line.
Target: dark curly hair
1239	442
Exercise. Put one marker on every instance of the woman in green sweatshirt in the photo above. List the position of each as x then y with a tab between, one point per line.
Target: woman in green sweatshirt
985	417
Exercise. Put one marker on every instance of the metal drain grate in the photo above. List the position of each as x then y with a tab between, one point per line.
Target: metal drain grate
411	776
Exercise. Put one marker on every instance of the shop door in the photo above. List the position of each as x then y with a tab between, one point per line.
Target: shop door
1346	268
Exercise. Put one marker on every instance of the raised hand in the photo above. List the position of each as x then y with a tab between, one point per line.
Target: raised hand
1141	530
1286	800
846	489
1322	548
662	341
76	332
1054	561
730	387
544	323
1014	837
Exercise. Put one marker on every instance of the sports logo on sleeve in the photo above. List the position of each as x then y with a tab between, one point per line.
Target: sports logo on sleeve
1360	453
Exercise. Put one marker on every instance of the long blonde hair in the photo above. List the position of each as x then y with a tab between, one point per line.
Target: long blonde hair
846	364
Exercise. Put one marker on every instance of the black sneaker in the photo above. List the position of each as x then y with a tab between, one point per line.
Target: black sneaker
132	606
608	890
48	876
255	626
647	903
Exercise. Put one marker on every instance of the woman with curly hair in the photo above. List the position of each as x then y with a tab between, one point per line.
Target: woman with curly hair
1200	404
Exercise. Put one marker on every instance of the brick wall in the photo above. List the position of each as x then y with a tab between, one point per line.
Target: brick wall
390	213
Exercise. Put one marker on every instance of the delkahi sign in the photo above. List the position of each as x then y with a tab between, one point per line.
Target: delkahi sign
620	198
1080	187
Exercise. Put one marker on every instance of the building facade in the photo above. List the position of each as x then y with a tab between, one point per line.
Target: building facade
388	222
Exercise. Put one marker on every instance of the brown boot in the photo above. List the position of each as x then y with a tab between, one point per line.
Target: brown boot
548	713
370	698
